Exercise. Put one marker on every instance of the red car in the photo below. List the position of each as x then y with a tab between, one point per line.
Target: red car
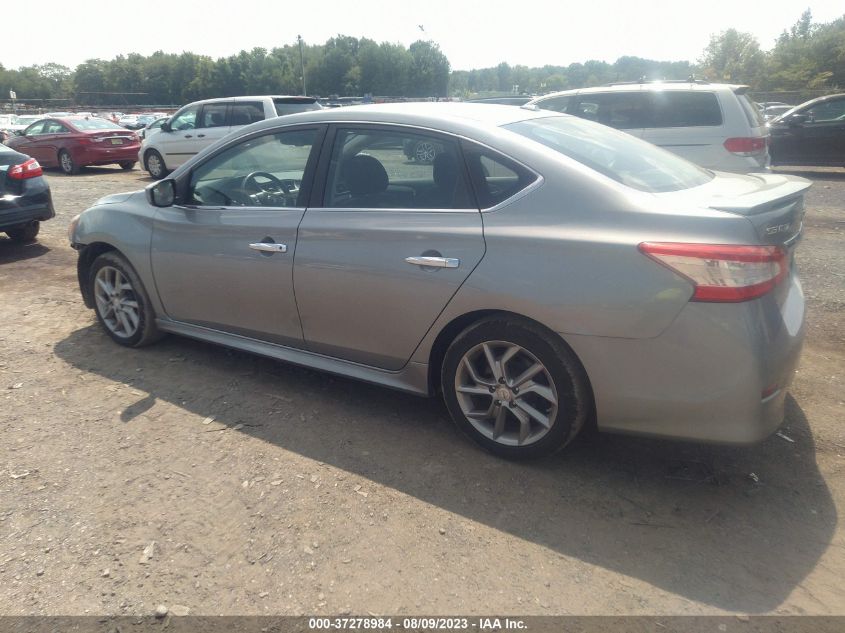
72	143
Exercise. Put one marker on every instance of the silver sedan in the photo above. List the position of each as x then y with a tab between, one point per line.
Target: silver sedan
539	271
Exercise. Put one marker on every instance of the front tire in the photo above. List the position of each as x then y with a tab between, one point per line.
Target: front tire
515	388
121	303
25	234
67	164
154	164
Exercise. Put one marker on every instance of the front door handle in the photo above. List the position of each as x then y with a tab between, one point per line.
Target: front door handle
269	247
200	135
188	136
434	262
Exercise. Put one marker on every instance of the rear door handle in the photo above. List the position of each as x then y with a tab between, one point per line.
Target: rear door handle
200	135
269	247
434	262
188	136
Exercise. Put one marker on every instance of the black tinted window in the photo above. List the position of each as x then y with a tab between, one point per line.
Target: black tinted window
213	115
622	110
556	104
244	113
292	106
684	109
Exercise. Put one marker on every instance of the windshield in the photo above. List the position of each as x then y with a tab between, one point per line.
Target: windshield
618	155
95	124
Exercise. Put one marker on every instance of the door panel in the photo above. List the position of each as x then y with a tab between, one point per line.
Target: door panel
358	297
224	259
178	144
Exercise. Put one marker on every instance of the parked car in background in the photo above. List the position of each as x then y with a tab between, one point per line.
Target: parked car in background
540	269
25	199
151	128
129	121
58	115
812	133
71	143
774	111
714	125
515	100
199	124
6	122
21	122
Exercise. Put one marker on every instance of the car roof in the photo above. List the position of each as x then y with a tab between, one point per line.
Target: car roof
447	116
252	98
650	87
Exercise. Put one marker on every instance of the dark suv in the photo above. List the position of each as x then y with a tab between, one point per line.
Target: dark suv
25	199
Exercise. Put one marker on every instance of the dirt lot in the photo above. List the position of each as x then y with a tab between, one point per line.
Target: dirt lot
267	488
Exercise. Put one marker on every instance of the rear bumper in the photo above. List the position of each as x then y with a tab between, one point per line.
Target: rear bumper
32	205
708	377
107	154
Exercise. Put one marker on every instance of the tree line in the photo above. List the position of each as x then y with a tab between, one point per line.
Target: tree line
807	56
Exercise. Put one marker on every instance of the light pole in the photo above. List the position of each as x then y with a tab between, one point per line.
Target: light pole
301	65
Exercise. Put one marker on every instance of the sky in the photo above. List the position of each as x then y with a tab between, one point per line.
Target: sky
472	34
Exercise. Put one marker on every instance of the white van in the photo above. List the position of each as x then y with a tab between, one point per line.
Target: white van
714	125
199	124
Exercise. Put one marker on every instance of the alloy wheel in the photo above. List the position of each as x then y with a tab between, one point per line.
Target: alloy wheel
116	302
506	393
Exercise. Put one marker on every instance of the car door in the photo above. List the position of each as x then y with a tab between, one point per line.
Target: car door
223	257
52	140
386	247
176	144
686	123
212	124
30	142
626	111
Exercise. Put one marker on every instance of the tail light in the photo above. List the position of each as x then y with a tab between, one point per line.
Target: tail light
747	146
722	272
28	169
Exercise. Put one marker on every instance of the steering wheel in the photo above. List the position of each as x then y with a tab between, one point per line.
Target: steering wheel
275	186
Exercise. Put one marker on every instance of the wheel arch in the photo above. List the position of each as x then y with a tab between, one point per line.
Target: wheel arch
87	255
457	325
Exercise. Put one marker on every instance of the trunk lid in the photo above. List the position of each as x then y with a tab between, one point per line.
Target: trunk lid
773	203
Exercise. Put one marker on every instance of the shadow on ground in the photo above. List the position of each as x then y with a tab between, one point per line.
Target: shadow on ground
813	173
692	520
15	251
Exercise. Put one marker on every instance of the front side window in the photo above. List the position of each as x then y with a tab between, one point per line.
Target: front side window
213	115
389	169
617	155
186	119
827	111
265	171
684	109
35	129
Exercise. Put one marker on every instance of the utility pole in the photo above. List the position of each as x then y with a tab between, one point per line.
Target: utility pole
301	65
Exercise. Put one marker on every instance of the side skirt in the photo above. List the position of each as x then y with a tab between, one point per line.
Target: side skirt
413	378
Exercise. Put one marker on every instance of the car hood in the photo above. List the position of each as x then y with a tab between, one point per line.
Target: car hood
117	198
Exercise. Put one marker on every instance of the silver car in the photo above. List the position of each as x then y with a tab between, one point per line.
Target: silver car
540	271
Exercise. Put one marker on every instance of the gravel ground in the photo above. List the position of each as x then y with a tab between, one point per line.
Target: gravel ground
215	482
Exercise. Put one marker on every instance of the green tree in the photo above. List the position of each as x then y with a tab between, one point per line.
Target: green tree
734	57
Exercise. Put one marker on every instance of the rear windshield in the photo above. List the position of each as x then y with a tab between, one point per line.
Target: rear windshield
617	155
94	124
292	106
752	112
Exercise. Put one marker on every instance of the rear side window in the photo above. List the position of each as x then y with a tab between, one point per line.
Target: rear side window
292	106
622	110
495	177
244	113
752	112
684	109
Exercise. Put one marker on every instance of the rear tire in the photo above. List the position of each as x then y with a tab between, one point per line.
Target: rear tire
25	234
154	164
121	302
542	390
127	165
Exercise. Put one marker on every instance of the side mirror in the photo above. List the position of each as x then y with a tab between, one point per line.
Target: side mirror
161	193
798	119
165	127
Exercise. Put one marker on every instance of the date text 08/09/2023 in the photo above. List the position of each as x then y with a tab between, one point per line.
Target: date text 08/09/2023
375	623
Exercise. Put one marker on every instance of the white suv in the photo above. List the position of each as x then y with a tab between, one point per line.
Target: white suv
714	125
199	124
